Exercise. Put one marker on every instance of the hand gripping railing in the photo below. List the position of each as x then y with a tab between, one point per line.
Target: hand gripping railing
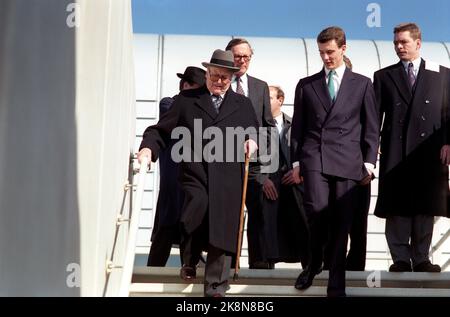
128	265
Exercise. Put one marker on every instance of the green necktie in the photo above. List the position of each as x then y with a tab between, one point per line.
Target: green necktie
331	88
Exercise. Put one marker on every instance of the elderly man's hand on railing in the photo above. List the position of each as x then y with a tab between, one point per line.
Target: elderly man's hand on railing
145	152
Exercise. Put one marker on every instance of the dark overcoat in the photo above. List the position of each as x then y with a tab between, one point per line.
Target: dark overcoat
211	188
170	197
412	179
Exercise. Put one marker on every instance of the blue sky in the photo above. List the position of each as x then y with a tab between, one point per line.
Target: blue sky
290	18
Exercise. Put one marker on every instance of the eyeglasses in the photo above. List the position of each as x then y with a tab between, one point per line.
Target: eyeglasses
216	77
245	57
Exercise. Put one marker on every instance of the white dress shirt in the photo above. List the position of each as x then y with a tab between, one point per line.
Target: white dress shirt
279	122
244	83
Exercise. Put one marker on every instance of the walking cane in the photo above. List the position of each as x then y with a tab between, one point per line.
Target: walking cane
241	219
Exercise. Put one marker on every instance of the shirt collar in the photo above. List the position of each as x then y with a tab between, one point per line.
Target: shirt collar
416	64
244	79
221	95
279	118
339	71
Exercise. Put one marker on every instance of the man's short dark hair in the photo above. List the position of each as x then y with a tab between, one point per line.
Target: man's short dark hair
413	29
237	41
332	33
280	92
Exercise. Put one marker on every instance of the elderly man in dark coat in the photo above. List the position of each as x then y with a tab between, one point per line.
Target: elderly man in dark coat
212	184
413	96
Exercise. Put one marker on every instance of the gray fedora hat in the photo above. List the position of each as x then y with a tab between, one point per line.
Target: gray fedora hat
222	59
194	75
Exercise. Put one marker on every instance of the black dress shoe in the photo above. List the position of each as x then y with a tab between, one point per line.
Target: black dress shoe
188	273
305	279
400	266
427	267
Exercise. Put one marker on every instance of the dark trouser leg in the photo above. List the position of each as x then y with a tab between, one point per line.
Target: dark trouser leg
217	271
192	244
161	246
356	257
422	233
398	233
344	194
316	199
255	223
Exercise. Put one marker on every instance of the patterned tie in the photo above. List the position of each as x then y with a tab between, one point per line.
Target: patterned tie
331	88
411	77
217	101
239	88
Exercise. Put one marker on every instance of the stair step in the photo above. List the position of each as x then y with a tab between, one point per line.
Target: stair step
287	277
196	290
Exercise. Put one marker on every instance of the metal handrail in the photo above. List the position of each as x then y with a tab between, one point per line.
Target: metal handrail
441	241
128	265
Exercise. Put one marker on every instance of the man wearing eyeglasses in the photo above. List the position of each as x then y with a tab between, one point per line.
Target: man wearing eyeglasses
212	188
258	92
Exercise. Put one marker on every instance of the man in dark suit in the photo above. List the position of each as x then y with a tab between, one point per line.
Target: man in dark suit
212	185
413	96
335	130
258	92
356	256
286	226
166	227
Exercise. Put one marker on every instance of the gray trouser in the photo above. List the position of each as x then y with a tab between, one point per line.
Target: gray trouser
217	271
409	238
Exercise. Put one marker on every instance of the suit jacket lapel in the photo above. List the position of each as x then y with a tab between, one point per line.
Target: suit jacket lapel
320	87
204	101
421	82
285	137
398	76
252	89
228	106
345	90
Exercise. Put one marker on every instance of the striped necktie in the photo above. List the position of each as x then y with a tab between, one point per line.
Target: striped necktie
331	88
411	76
239	88
217	101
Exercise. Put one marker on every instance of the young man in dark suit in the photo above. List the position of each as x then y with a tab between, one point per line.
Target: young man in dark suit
356	255
413	96
335	130
212	185
258	92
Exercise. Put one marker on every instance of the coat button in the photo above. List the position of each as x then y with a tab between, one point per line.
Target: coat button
427	101
400	121
401	137
422	134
